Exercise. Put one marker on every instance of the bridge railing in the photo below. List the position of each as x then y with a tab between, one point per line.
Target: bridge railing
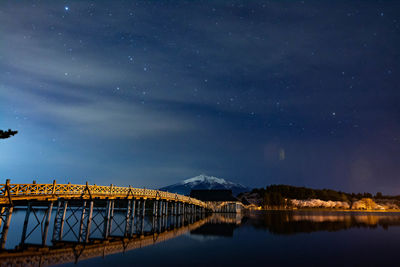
21	190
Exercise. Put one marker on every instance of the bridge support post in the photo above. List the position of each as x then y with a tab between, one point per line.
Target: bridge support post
138	207
56	220
81	224
6	213
59	220
142	227
143	213
154	207
107	219
166	208
175	221
153	224
159	225
132	220
46	225
27	213
138	216
2	213
144	208
127	217
63	219
111	217
89	221
160	207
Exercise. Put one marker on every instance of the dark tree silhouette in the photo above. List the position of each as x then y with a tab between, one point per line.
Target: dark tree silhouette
7	134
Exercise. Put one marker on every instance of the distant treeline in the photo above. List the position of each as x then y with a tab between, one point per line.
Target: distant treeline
275	195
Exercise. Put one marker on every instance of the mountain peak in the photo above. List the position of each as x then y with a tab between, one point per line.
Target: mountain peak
204	181
204	178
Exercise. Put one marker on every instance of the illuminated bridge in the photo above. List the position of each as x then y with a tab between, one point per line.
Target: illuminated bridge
86	213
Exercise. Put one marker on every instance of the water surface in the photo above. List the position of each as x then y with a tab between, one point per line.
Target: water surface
284	238
277	238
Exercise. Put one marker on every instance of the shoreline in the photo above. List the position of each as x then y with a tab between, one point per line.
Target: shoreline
332	210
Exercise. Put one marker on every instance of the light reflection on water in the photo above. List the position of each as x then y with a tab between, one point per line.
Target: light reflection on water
266	238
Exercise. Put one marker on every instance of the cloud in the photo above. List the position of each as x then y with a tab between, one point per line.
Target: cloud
100	117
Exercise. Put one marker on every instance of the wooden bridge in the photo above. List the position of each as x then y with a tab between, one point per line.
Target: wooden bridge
84	213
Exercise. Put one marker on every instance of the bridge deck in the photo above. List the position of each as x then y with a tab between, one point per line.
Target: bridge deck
22	192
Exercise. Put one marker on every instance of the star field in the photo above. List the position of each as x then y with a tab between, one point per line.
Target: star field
150	92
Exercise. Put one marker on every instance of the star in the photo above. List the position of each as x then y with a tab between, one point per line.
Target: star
66	8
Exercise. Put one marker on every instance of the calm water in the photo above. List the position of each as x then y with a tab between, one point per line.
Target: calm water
268	238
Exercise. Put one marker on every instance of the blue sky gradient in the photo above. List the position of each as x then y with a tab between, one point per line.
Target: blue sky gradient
148	93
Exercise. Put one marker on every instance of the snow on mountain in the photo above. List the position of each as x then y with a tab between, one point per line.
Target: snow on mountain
204	182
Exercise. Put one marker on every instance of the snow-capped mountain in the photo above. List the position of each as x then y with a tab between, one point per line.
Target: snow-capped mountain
204	182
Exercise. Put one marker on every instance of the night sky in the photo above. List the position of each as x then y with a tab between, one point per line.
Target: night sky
148	93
